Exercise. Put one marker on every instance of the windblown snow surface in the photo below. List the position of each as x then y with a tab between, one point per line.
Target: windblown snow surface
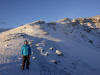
80	49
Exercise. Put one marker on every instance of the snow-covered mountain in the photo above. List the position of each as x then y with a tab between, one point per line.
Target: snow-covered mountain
65	47
2	29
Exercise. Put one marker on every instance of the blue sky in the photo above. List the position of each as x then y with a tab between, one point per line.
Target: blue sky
13	13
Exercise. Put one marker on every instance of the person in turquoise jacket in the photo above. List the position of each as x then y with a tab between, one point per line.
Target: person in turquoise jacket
26	53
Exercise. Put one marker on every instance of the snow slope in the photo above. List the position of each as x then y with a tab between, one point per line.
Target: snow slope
79	43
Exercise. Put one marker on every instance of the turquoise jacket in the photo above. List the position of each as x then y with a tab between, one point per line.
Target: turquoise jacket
25	50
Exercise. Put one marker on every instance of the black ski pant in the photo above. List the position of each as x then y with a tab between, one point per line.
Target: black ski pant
25	62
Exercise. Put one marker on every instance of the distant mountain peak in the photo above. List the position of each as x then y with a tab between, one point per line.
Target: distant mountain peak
64	20
38	22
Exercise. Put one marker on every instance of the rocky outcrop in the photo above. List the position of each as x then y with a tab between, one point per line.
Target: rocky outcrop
92	22
95	19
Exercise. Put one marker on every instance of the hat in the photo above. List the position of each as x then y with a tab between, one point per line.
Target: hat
25	41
